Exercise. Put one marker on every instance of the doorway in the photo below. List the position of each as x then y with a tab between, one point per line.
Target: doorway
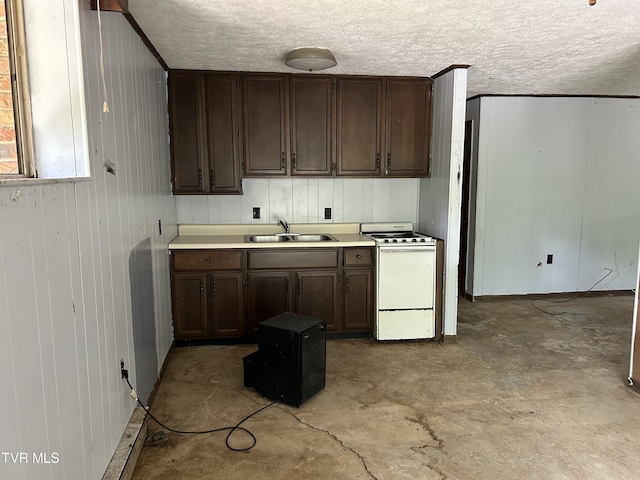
464	213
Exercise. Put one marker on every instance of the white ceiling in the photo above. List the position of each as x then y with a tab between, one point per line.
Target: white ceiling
512	46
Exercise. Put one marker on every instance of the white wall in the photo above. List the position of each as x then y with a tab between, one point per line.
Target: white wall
556	175
301	200
65	301
441	194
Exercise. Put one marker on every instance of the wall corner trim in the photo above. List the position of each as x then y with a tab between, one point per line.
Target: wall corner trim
111	5
449	68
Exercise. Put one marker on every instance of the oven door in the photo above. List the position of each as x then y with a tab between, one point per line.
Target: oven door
406	277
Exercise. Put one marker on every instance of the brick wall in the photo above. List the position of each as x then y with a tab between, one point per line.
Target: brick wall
8	152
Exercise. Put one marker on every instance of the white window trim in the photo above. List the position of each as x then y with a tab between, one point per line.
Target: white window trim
56	92
20	87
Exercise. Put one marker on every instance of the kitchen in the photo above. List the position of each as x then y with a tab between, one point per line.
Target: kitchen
73	241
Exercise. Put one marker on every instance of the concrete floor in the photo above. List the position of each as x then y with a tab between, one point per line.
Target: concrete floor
521	395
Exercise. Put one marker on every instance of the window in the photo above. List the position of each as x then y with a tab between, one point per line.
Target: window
16	157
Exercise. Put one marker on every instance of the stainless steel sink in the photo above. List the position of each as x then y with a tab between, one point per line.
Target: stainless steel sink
312	238
292	237
266	238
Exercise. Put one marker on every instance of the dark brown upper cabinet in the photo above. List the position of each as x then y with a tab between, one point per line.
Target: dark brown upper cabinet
225	125
203	116
311	125
359	104
187	132
408	127
221	107
265	124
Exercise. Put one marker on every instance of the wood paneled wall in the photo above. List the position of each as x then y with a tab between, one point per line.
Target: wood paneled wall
302	200
440	195
556	175
65	293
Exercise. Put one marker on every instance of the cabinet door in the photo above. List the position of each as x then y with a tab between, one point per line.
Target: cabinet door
268	295
264	120
187	133
358	299
227	305
189	305
317	296
359	126
311	125
221	106
408	127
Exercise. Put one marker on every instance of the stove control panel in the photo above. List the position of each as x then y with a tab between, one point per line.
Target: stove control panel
404	240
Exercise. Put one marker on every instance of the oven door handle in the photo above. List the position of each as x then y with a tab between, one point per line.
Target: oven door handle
407	250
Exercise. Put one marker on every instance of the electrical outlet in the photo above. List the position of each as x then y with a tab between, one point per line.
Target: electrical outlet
123	372
256	212
327	213
549	259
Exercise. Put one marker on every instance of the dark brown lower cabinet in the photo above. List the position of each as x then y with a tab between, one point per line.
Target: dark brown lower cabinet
227	304
208	305
317	296
358	299
225	294
357	288
189	305
268	294
313	293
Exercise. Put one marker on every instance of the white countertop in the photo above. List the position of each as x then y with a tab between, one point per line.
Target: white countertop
192	237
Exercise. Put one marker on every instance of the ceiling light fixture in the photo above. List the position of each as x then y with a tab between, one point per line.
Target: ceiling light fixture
310	58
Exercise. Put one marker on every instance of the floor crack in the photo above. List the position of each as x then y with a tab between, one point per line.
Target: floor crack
438	444
327	432
425	425
433	468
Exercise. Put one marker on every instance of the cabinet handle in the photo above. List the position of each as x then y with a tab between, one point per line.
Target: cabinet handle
199	177
386	172
215	287
201	289
377	160
300	287
358	256
207	261
294	160
212	179
346	285
282	161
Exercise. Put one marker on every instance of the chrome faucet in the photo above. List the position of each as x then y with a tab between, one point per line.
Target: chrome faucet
284	225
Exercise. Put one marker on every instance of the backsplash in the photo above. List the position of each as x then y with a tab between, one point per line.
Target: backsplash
303	200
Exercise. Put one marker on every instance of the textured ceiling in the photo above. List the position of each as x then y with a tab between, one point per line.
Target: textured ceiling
512	46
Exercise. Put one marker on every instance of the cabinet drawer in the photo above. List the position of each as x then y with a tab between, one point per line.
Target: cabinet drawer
207	260
358	256
278	258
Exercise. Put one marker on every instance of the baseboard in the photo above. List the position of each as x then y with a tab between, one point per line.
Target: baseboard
124	459
128	450
535	296
163	370
450	339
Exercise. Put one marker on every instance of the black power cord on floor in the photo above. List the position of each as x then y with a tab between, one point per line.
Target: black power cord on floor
567	299
236	427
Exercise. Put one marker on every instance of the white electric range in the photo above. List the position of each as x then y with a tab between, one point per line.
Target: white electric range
406	281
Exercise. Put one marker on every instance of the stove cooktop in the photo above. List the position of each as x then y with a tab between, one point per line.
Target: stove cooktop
396	233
